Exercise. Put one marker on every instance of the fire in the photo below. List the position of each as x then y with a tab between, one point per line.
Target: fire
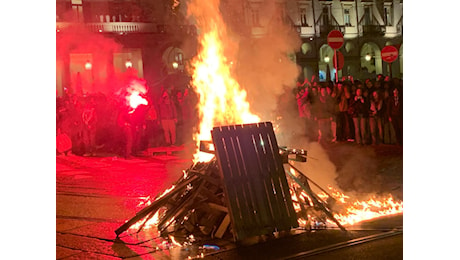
351	212
369	209
147	223
174	242
222	100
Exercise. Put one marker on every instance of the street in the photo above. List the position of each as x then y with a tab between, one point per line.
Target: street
95	195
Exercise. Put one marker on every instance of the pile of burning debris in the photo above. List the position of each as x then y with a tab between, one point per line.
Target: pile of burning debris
234	195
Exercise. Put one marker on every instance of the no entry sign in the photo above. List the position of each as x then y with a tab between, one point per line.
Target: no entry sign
389	53
335	39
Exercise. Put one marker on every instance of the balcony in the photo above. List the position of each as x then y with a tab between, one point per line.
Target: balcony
305	30
374	29
325	29
128	27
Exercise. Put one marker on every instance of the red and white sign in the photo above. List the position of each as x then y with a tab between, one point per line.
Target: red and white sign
389	53
335	39
340	60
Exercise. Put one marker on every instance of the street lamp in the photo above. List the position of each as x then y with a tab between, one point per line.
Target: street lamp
368	57
88	65
175	65
326	59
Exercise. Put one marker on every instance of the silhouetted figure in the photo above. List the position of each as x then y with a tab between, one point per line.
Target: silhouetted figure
168	117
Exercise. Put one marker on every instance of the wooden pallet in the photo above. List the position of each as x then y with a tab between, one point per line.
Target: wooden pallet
255	184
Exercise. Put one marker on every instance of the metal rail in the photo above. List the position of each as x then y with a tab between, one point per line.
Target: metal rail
345	244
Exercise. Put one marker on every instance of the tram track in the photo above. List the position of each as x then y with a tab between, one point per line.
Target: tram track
345	244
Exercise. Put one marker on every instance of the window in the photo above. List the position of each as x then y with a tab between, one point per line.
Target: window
303	16
77	10
179	58
367	15
346	17
388	17
325	15
255	17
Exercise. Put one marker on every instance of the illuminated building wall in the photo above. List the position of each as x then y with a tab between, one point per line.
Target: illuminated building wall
158	40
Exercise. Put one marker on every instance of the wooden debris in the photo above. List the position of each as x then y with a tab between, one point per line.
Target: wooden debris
243	191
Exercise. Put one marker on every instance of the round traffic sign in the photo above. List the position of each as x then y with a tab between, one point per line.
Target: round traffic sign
389	53
335	39
340	60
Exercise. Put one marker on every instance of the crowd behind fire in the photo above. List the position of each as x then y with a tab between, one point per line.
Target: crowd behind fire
361	112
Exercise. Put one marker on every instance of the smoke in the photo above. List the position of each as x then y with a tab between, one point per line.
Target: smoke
261	66
83	44
319	167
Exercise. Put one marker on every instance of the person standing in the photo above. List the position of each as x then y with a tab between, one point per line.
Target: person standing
168	117
76	125
395	112
138	123
152	130
343	122
323	115
376	117
357	110
89	118
124	122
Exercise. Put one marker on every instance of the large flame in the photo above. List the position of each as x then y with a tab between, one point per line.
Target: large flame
222	100
350	211
360	210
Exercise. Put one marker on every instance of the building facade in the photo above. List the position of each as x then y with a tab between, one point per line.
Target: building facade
367	26
98	42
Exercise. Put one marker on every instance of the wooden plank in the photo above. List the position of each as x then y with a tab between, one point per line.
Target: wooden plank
288	217
267	170
271	165
253	175
236	191
183	205
154	206
240	196
317	201
223	227
218	207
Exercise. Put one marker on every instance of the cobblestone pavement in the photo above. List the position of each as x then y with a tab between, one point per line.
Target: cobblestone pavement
95	195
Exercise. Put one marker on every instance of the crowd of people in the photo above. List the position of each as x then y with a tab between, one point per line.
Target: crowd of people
86	123
368	112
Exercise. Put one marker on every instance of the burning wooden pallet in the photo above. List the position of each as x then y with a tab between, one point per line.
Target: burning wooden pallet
255	183
242	191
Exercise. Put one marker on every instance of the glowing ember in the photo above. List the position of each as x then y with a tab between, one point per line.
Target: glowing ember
222	100
166	191
174	242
